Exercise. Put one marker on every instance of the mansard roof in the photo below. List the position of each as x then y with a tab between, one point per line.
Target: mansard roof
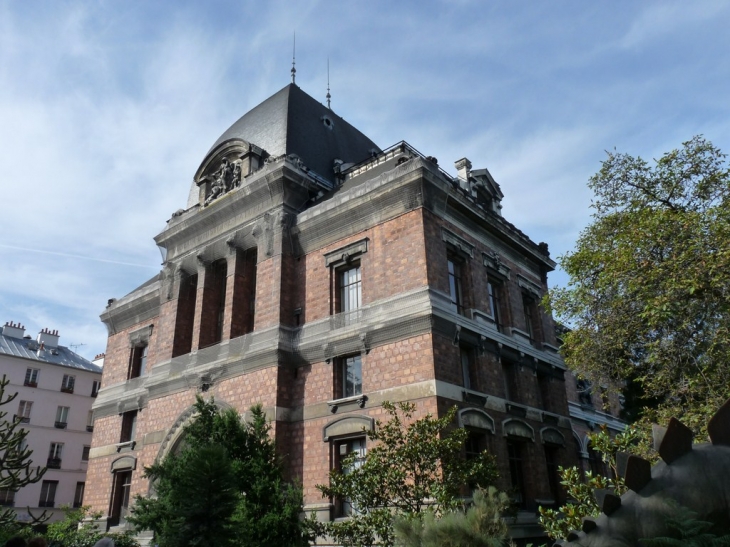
292	122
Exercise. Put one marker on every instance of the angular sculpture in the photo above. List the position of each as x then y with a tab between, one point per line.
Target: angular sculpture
693	476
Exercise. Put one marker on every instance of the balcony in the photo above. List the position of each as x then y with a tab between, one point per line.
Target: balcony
53	463
90	428
60	425
67	389
22	419
30	384
43	503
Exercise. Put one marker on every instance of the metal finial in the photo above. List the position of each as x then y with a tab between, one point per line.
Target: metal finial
294	61
328	84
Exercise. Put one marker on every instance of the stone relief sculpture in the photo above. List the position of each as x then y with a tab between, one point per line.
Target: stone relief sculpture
225	179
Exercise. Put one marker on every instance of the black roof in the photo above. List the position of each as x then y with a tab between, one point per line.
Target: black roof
292	122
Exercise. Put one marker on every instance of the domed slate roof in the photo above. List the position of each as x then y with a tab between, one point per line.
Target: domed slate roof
292	122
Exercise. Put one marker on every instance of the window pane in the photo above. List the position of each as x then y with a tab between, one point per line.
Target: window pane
352	376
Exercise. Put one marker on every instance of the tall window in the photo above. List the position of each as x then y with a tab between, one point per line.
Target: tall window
85	453
129	426
120	497
24	409
509	375
351	456
467	368
139	361
543	390
349	283
67	385
55	453
7	497
456	286
494	290
529	307
551	461
48	494
90	421
352	376
516	472
96	384
62	417
214	303
79	494
31	377
183	340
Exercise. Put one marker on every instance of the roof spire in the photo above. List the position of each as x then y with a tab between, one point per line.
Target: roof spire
328	84
294	61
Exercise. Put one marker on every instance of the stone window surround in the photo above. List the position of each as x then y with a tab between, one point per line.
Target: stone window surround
352	426
343	255
458	244
140	337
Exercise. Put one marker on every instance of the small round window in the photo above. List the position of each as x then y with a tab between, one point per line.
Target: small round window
328	123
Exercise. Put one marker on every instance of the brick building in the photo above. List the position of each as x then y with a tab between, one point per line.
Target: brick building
319	275
55	390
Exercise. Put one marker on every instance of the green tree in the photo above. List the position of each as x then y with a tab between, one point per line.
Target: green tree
16	465
413	466
648	299
558	524
481	525
76	530
224	488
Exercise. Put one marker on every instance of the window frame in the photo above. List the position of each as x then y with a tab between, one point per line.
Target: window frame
68	383
48	494
55	455
348	295
138	361
79	498
31	377
128	432
24	410
85	453
344	507
62	416
455	267
95	387
516	459
7	497
343	365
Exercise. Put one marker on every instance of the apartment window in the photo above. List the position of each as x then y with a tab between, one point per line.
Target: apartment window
85	453
243	302
48	494
456	292
24	409
595	462
532	327
468	372
516	472
79	494
350	371
95	386
7	497
551	462
90	421
67	385
494	291
476	443
129	426
62	417
31	377
138	361
55	454
351	456
349	288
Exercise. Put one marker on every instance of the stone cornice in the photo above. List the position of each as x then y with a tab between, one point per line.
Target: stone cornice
385	321
136	307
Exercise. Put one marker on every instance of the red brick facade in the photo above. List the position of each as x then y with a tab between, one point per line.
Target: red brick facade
269	283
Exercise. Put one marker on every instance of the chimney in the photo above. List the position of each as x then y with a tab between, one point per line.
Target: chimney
49	338
13	330
99	360
463	173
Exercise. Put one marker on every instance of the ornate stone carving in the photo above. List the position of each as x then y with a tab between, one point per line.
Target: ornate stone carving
225	179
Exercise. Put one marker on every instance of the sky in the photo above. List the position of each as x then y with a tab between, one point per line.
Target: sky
107	109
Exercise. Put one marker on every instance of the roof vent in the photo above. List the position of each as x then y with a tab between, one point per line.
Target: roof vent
13	330
48	338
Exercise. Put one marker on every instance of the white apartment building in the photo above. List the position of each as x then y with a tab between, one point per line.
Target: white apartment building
56	388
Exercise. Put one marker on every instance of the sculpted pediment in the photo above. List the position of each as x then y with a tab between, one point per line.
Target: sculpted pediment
225	167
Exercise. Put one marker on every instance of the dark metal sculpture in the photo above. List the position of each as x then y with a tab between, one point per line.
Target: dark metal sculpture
696	477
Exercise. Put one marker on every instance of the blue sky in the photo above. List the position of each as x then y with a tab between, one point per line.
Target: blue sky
107	109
